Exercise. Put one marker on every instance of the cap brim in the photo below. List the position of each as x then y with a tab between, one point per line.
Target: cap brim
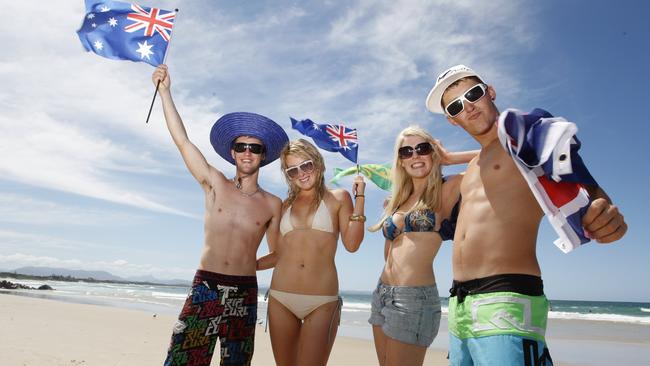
233	125
434	99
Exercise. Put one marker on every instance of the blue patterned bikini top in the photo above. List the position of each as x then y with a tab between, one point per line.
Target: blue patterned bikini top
422	221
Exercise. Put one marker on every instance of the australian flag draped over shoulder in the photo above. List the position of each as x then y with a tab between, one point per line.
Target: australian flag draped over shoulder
330	137
545	149
124	31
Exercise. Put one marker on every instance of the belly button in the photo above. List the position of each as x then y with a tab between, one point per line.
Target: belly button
302	266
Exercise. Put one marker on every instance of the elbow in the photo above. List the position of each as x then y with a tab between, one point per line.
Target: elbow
353	246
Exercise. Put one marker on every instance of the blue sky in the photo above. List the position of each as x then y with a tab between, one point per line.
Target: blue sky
86	184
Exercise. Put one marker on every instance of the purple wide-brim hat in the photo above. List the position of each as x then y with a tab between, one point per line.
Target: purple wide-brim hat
233	125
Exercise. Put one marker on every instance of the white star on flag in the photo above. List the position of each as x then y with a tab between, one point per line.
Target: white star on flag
94	25
144	50
112	22
91	15
104	9
98	45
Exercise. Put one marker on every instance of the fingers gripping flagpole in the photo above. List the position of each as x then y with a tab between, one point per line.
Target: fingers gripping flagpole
155	93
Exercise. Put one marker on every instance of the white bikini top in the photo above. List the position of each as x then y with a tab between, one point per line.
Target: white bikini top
322	221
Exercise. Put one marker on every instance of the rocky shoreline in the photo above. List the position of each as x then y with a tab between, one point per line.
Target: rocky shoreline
17	286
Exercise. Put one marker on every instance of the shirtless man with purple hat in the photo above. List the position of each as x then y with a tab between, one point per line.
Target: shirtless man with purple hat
222	303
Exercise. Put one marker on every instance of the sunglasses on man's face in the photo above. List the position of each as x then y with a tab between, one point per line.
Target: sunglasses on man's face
306	166
240	147
421	149
472	95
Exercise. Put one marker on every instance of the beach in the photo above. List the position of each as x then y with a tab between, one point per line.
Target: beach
115	324
40	332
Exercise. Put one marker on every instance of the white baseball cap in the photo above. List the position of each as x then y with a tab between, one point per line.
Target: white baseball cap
446	78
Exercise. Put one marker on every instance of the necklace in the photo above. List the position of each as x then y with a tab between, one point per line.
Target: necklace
237	182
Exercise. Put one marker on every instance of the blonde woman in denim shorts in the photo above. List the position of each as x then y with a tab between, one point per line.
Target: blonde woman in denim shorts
419	215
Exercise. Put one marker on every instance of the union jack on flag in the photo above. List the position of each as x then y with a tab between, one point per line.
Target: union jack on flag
545	150
152	20
124	31
330	137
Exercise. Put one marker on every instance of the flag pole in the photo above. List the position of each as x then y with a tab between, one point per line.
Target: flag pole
357	154
155	93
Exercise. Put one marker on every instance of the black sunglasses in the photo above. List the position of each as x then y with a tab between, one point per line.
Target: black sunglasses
240	147
472	95
421	149
306	166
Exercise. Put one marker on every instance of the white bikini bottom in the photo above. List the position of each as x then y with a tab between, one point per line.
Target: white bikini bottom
301	305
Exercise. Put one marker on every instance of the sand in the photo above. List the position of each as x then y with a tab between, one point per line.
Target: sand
36	331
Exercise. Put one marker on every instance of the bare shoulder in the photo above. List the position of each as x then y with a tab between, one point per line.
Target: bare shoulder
272	200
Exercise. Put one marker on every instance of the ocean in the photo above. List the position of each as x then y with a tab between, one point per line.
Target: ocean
356	305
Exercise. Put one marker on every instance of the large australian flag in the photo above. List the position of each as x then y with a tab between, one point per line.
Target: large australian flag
124	31
545	149
330	137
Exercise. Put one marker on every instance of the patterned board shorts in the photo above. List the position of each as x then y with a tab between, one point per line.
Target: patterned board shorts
409	314
219	307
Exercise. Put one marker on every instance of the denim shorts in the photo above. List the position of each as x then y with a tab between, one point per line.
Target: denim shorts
409	314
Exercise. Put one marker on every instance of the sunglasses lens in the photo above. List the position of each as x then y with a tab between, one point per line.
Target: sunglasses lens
255	148
239	147
292	172
307	166
424	148
475	93
405	152
455	107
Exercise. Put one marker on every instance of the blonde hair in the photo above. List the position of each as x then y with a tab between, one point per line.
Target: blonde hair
403	184
306	150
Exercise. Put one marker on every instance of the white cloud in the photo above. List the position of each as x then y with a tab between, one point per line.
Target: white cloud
16	208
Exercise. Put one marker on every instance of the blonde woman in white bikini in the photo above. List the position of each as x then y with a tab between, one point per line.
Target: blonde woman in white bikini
304	305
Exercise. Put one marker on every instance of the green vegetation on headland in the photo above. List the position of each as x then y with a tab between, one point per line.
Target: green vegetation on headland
53	277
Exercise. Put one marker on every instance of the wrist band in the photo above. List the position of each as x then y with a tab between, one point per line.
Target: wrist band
360	218
359	195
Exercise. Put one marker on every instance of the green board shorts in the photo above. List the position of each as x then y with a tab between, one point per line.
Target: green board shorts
489	327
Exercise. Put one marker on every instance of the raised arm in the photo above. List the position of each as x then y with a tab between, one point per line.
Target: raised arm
602	221
194	160
451	158
351	218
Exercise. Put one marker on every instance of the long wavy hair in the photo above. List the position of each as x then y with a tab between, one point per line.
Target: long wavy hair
307	151
403	184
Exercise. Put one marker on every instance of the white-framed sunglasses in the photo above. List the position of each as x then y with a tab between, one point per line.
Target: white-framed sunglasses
471	95
306	166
